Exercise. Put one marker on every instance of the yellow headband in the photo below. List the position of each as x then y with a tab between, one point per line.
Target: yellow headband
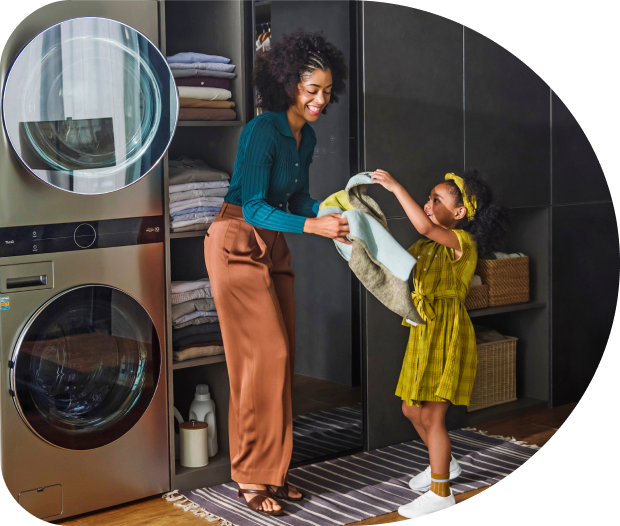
470	202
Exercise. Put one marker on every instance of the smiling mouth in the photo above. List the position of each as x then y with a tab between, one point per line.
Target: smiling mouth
314	110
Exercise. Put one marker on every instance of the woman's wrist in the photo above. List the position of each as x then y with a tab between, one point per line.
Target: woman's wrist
308	224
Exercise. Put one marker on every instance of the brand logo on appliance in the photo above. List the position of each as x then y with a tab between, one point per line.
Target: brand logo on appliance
10	242
156	229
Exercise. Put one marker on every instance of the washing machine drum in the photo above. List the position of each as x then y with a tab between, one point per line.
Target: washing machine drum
86	367
90	105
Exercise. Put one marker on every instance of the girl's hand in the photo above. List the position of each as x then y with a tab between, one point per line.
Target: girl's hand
385	179
333	226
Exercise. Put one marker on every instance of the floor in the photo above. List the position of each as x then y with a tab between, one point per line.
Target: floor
534	427
311	395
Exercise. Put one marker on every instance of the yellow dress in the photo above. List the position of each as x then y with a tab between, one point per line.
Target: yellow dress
440	361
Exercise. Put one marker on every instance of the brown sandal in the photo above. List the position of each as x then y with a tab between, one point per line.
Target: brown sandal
255	503
281	492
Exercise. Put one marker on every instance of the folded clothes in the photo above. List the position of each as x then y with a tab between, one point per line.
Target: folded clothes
176	188
207	114
487	335
186	286
202	304
211	66
184	73
191	222
190	217
197	210
476	281
192	227
194	92
209	82
192	315
202	344
203	192
190	56
181	297
197	103
197	352
198	339
202	331
194	203
197	321
186	170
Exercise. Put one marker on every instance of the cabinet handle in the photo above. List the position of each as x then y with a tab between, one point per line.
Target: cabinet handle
30	281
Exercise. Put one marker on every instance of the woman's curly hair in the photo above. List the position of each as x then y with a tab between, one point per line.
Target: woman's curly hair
279	70
489	225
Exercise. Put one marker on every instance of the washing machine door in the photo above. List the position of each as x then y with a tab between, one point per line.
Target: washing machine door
85	367
90	105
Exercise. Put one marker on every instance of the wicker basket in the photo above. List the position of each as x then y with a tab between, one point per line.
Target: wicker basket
495	381
508	280
477	297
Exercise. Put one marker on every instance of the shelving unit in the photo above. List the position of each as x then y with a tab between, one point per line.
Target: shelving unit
489	311
197	362
194	233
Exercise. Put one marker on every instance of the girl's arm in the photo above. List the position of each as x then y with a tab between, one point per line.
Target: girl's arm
416	213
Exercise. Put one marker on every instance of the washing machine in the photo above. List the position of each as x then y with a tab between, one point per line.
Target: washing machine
89	108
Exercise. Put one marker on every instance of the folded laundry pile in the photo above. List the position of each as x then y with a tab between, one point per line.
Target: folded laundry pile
487	335
381	264
196	329
204	86
196	193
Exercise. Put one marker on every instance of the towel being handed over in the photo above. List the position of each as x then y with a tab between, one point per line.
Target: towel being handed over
375	257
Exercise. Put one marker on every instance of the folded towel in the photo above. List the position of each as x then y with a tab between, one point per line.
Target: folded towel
208	82
197	103
177	188
197	321
184	73
476	281
186	286
197	352
193	227
204	221
186	170
199	339
181	297
193	194
487	335
381	264
192	315
187	307
190	56
210	66
193	92
196	202
197	210
207	114
175	220
202	331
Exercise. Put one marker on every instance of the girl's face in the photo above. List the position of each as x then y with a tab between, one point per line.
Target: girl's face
441	207
313	94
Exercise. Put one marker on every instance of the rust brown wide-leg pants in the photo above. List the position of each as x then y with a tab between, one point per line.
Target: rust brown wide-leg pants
252	285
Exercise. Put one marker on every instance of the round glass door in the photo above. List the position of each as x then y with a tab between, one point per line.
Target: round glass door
86	367
90	106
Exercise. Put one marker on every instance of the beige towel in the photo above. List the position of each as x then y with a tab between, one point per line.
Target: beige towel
197	352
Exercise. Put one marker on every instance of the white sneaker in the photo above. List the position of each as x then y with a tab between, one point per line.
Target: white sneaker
422	481
430	502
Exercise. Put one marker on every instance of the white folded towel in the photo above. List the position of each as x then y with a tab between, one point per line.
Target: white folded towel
196	203
193	194
197	92
192	315
186	286
176	188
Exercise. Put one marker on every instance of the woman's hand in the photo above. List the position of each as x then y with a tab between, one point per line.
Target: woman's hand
385	179
333	226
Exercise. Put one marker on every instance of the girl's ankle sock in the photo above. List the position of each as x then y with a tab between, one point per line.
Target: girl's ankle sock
440	485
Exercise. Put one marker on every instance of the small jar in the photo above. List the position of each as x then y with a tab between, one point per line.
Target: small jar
194	453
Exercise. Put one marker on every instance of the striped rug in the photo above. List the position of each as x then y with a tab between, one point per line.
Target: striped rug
363	485
326	432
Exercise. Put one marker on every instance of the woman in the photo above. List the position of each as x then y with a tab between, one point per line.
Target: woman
249	262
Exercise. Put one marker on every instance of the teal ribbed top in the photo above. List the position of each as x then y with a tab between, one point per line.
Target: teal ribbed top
270	173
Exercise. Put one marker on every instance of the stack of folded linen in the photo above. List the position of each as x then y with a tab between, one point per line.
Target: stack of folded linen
204	86
196	329
196	194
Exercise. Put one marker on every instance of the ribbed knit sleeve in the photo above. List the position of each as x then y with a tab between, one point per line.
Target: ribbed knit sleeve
257	162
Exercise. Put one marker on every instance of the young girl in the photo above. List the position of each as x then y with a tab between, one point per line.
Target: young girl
459	220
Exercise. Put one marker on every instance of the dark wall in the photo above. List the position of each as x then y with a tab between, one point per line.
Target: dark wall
323	284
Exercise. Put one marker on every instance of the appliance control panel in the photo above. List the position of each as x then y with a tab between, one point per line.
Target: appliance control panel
85	235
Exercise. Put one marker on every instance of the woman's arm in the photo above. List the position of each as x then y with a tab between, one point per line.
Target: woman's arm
416	213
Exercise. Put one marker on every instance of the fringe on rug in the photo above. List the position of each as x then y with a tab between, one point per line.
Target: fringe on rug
512	440
187	505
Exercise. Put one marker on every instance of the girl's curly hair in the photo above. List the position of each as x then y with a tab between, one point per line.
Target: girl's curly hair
489	225
279	70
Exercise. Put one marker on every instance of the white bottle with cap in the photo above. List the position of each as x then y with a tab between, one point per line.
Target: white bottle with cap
203	410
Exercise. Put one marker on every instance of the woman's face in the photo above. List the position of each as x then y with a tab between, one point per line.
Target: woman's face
313	94
441	207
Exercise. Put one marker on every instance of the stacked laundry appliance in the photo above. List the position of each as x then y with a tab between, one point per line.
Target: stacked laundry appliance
89	109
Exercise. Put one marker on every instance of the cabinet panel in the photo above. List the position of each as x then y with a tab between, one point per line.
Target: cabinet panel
577	174
507	123
584	291
413	98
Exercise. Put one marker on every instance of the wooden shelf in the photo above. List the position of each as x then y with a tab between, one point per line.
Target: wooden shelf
217	471
506	308
192	233
206	360
210	123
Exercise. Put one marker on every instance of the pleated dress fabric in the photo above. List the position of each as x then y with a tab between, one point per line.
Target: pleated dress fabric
440	360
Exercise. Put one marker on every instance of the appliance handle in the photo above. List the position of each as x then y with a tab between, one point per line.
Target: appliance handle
30	281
